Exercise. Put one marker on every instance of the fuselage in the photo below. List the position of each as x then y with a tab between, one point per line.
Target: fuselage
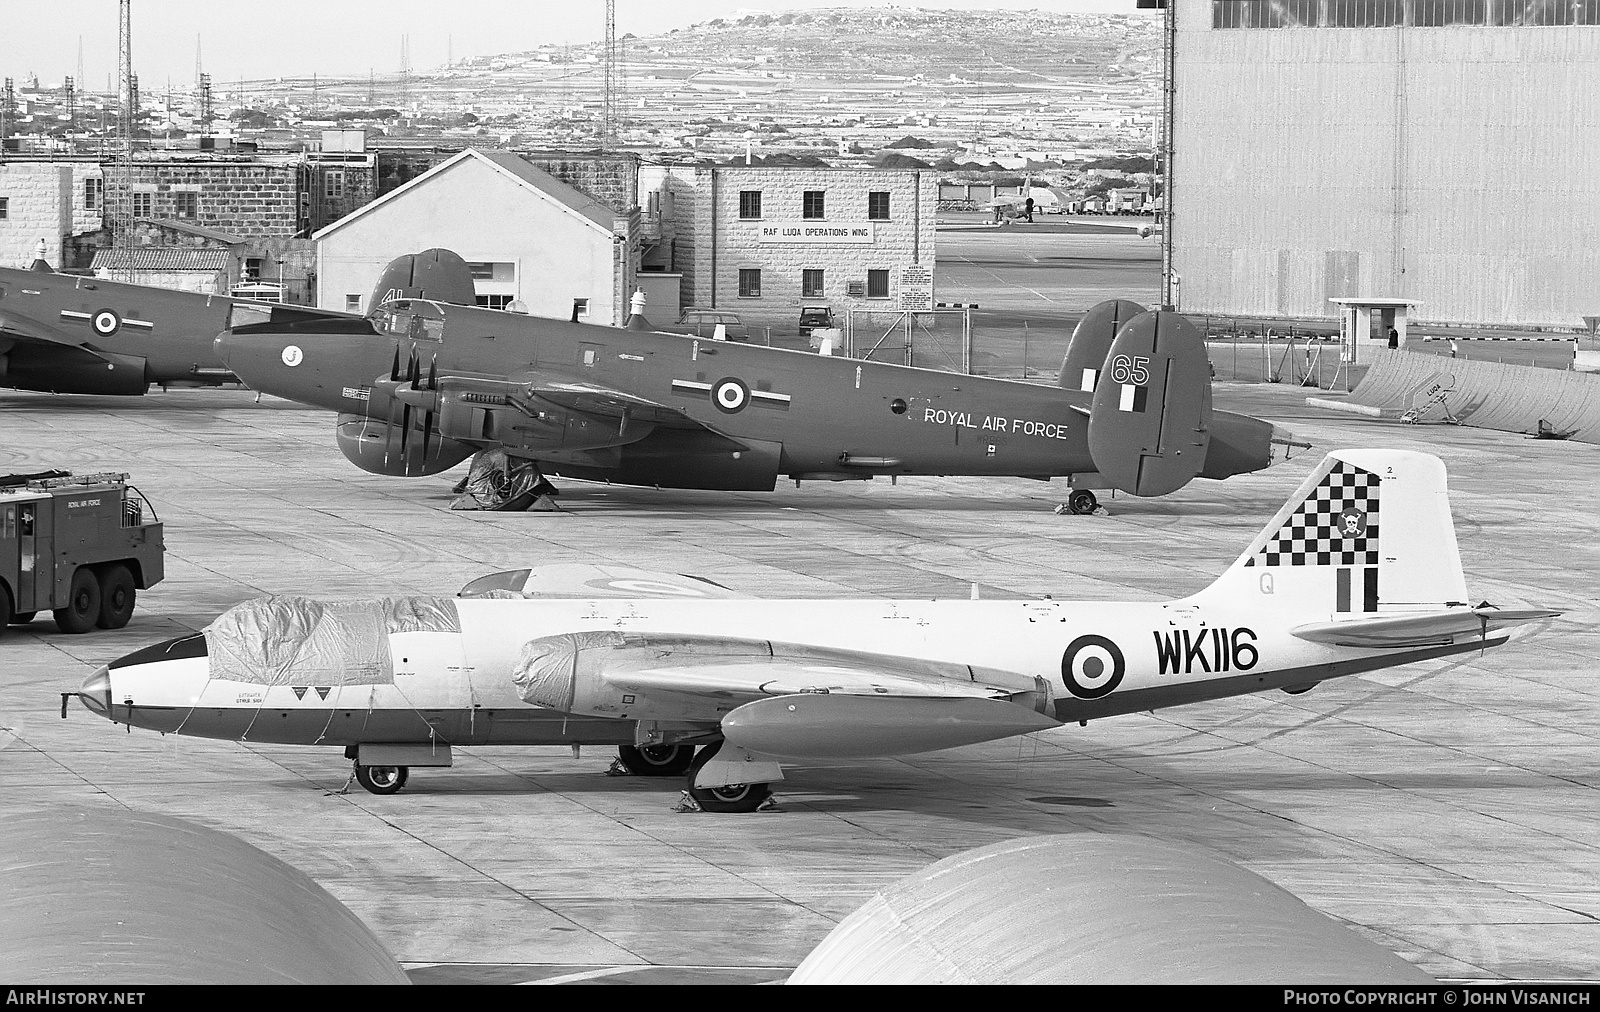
1091	660
819	416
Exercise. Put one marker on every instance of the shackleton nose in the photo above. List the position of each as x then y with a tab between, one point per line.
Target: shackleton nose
95	692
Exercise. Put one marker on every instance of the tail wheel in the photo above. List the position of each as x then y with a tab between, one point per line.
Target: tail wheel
656	760
733	797
83	603
382	779
117	595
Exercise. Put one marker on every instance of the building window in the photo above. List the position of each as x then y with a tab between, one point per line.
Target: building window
144	204
5	208
878	205
188	204
333	184
503	271
252	267
811	284
749	203
877	284
494	301
352	303
811	205
749	283
580	312
94	192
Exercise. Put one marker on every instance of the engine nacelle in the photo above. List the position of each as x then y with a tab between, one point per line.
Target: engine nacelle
62	370
374	445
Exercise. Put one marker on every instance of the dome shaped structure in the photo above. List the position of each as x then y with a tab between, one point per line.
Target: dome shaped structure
134	898
1093	909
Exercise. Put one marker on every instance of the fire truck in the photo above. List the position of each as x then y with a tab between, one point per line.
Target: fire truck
80	546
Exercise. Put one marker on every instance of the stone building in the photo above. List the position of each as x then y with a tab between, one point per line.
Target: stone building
529	237
35	204
177	255
763	241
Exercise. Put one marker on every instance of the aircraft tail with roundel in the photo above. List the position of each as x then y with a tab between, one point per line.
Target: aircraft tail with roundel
1365	550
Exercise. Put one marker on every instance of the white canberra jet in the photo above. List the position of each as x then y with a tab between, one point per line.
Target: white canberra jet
1358	571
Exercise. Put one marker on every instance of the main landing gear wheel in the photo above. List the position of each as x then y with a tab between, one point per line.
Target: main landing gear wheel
656	760
1082	502
117	595
83	603
382	779
732	798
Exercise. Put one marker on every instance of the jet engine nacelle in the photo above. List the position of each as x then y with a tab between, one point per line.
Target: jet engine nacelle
376	446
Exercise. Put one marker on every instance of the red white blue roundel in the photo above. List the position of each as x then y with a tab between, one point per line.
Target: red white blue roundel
730	395
1092	666
105	322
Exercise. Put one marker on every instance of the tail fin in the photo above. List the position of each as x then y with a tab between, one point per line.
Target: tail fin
436	274
1367	532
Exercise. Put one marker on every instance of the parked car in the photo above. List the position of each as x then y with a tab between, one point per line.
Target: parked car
704	323
814	318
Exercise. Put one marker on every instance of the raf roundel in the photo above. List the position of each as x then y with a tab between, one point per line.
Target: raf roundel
105	322
730	395
1092	666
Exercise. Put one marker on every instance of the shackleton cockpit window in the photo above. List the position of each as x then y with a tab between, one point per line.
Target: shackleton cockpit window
245	314
410	320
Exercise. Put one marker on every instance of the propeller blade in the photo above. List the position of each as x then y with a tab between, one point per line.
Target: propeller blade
433	373
394	370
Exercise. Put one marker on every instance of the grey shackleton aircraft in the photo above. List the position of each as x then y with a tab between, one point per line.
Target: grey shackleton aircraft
69	334
420	386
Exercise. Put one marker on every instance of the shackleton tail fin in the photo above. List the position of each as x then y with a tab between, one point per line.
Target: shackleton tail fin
1367	532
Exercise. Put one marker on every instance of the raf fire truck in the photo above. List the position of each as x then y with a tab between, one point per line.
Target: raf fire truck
80	547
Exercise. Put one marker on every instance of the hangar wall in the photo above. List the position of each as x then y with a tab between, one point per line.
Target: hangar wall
1452	165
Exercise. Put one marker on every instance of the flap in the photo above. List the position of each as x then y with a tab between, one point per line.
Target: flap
1439	628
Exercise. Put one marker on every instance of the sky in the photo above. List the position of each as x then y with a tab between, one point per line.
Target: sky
349	38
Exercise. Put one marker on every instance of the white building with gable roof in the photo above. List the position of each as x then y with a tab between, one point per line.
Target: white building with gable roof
528	237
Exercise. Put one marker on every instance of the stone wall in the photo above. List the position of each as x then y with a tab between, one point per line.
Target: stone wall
38	206
611	179
247	199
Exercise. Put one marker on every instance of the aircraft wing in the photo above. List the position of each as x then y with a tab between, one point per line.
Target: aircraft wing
1439	628
785	699
23	328
600	401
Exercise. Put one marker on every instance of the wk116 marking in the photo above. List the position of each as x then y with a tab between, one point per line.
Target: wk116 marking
1183	651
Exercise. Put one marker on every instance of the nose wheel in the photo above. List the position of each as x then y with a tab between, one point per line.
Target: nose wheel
382	779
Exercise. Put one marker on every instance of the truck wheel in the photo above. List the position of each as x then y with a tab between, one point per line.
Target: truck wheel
83	603
117	594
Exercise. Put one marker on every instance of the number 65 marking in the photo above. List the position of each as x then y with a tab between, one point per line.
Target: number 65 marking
1130	369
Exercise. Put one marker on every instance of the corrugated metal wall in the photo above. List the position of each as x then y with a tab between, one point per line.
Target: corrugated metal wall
1458	166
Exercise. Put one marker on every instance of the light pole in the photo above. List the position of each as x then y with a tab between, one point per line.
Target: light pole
1169	45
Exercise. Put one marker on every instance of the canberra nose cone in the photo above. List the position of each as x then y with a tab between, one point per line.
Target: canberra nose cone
96	692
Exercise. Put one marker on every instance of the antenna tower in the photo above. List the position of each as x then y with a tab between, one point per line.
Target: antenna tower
81	79
197	67
205	104
405	69
72	105
8	111
128	91
608	115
